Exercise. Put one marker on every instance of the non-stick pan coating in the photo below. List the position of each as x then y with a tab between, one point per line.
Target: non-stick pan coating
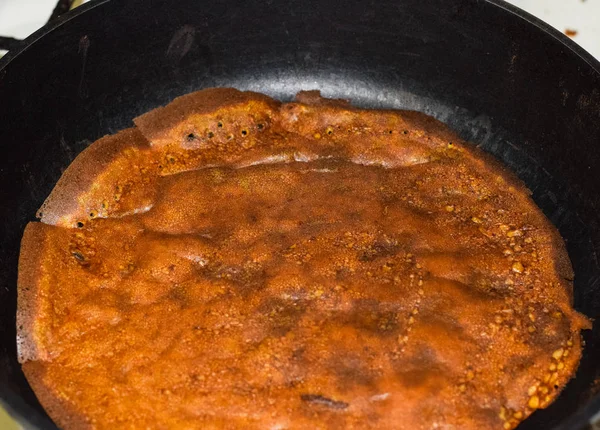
502	79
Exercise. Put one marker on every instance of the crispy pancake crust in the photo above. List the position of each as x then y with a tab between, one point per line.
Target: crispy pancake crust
62	412
108	158
189	113
30	297
237	262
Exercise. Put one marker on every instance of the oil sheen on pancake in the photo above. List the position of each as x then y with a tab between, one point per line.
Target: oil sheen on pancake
235	262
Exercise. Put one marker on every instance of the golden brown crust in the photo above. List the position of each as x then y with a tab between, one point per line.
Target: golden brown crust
29	348
163	125
431	127
301	265
563	266
62	412
69	201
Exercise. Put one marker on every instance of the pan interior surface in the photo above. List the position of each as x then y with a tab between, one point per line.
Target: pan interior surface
512	87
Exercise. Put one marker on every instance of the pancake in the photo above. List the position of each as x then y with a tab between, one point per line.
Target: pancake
236	262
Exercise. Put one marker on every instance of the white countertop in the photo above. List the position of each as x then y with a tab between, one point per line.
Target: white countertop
580	16
20	18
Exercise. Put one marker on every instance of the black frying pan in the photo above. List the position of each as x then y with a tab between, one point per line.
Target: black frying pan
501	78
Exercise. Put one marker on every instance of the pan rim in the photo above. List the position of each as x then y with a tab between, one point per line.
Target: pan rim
47	29
574	47
569	43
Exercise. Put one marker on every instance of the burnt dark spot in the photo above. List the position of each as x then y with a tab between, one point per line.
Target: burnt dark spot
81	259
378	250
417	377
404	131
351	370
191	137
80	224
423	368
260	126
210	135
317	399
179	294
298	354
294	382
354	215
343	189
283	315
246	279
342	273
244	132
220	124
366	314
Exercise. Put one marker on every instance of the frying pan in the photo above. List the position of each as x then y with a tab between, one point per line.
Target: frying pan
502	79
